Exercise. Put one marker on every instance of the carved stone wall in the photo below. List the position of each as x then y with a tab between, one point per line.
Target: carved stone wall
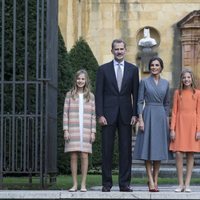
190	41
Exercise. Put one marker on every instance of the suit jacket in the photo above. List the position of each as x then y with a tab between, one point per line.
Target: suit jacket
109	101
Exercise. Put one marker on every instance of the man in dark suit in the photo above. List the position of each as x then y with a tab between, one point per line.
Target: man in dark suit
116	108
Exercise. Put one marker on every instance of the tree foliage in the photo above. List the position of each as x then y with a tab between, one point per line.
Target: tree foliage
81	57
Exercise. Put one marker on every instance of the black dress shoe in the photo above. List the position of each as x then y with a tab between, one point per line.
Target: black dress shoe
126	189
105	189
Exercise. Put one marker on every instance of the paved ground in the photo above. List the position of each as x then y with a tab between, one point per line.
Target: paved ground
140	192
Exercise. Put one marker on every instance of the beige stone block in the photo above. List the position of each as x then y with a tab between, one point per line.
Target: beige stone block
167	75
107	58
147	16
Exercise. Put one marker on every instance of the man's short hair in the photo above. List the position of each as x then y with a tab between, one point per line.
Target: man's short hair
118	41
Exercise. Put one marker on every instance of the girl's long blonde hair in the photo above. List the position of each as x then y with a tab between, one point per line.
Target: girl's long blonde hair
181	85
86	88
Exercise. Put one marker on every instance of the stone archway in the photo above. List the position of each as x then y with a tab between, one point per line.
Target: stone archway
190	42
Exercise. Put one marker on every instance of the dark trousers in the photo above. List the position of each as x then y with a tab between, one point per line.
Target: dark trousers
125	155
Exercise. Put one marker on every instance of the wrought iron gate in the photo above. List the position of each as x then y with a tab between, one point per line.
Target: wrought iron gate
28	91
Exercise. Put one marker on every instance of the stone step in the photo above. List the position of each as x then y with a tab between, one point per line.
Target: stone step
165	172
167	163
139	192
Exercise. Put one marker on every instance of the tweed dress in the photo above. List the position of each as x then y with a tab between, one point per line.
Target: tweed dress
79	128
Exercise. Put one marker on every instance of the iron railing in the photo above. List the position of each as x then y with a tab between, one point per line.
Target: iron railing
28	91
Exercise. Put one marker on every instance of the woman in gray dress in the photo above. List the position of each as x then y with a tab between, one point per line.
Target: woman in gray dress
153	134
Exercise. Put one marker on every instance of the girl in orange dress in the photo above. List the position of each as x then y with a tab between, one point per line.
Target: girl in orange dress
185	127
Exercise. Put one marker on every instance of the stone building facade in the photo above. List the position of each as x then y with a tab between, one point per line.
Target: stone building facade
174	24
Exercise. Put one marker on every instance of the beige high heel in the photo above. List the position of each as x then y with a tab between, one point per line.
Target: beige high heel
180	188
187	189
73	189
83	190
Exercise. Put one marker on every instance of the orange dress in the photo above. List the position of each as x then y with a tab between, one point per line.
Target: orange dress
185	121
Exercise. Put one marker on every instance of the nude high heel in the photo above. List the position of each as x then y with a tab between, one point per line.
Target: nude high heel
180	188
